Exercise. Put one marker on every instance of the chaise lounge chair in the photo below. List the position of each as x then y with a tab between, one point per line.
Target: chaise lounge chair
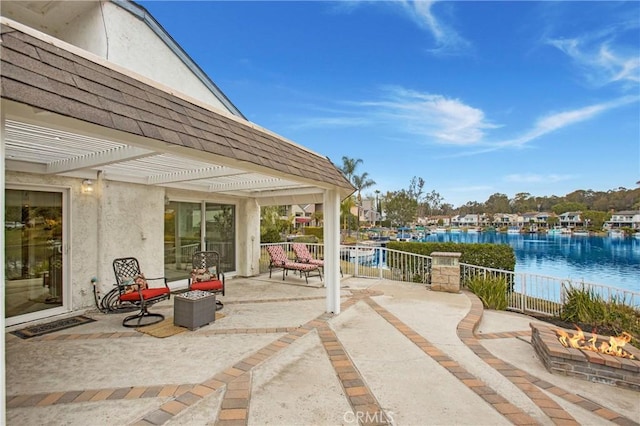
303	255
279	260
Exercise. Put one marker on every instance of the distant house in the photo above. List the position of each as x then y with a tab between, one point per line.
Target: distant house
624	219
540	219
465	220
571	220
505	219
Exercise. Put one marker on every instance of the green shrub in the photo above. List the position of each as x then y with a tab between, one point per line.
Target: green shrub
587	308
314	230
497	256
491	290
583	306
270	236
304	239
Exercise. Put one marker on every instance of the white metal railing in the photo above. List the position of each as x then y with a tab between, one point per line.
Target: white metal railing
372	261
545	295
530	293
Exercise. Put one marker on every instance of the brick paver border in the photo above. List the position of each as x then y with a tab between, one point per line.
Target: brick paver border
534	387
235	382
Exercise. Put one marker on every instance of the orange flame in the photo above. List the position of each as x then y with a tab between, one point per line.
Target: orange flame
613	347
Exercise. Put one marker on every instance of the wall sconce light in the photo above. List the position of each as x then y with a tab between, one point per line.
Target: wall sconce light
87	186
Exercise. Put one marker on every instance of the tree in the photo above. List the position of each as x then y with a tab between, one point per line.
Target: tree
523	202
415	191
497	203
568	207
401	208
433	201
595	219
349	166
361	182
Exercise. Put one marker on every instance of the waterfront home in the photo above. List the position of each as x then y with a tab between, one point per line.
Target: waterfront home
465	220
115	143
571	220
624	219
505	219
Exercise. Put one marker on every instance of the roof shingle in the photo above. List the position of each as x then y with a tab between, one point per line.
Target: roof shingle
48	77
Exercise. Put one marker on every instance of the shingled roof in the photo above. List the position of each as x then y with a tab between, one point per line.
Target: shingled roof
47	76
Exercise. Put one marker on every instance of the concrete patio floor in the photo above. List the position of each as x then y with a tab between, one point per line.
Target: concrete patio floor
397	354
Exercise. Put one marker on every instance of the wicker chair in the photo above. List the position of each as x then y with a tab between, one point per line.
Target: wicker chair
134	288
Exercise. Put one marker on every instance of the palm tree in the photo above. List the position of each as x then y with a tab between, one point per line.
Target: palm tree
349	166
361	182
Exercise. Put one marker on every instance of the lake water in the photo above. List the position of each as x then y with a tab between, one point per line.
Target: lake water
612	261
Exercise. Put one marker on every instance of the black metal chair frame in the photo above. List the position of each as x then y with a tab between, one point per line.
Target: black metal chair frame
126	268
206	260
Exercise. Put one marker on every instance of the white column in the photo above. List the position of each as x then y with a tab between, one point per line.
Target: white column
248	228
331	216
3	393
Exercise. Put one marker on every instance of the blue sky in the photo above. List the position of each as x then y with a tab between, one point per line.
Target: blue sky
476	98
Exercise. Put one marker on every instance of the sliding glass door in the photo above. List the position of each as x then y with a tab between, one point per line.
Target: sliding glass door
185	232
34	252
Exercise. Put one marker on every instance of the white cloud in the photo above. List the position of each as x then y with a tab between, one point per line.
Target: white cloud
436	118
331	122
537	178
559	120
448	41
602	61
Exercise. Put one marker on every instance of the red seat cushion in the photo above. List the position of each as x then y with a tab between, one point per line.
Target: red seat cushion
207	285
149	293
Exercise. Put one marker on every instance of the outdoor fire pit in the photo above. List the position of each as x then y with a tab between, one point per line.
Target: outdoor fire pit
583	363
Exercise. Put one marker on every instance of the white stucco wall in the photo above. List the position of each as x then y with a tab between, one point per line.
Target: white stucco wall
130	223
248	226
133	45
86	31
113	33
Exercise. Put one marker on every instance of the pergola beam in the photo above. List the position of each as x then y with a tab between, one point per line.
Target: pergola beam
97	159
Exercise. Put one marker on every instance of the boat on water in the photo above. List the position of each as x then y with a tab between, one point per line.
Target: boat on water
474	229
637	235
581	233
455	230
440	230
404	234
616	233
363	254
513	230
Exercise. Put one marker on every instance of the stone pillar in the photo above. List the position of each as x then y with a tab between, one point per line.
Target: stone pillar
445	272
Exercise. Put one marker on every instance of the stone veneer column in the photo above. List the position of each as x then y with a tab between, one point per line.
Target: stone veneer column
445	272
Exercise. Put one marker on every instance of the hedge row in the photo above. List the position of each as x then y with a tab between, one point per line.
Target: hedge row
314	230
497	256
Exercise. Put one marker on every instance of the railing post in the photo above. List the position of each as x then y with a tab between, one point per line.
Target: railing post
523	291
445	272
357	261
